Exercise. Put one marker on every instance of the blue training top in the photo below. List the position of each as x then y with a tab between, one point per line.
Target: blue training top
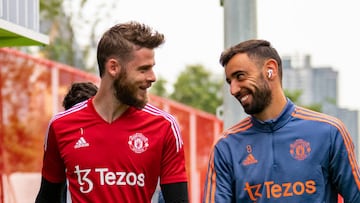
301	156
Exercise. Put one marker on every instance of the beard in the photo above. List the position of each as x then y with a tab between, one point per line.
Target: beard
261	99
125	92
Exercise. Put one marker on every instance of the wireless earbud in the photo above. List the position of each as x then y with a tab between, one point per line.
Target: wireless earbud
269	73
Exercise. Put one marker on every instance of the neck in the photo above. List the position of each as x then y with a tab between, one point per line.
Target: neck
274	109
107	106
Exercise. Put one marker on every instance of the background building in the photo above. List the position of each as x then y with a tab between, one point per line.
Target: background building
319	85
19	24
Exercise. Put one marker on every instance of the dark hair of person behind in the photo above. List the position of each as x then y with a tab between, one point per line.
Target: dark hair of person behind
257	50
79	92
120	41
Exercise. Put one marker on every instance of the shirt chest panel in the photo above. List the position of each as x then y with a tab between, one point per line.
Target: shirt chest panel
116	147
284	160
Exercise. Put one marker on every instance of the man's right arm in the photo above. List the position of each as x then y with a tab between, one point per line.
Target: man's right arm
53	171
218	183
49	192
175	192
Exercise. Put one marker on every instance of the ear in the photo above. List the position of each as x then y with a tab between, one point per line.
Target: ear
113	67
270	69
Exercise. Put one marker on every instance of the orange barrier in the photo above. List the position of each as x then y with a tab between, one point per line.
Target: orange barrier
31	92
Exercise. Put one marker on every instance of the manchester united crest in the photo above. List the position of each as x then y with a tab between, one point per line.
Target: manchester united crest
300	149
138	143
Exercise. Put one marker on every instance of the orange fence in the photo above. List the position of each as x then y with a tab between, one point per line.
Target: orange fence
199	129
31	91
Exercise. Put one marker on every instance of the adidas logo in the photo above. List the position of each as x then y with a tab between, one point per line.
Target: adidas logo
81	143
250	159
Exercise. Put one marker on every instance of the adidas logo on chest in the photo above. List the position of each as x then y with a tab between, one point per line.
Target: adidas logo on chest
81	143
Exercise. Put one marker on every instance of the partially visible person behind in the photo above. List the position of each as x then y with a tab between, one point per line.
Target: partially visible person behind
281	152
115	146
78	92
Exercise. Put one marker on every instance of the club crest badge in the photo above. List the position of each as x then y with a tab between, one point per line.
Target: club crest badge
300	149
138	143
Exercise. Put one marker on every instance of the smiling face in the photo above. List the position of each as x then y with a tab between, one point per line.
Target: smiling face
132	82
247	84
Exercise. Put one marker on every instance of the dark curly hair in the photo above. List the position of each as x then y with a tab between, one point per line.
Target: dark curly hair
78	92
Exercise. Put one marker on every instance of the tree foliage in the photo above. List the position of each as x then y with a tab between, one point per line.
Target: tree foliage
295	97
159	87
72	28
54	22
196	87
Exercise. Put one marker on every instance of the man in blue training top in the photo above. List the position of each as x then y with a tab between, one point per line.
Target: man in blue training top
281	152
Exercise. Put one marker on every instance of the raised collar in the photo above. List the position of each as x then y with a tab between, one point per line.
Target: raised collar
272	125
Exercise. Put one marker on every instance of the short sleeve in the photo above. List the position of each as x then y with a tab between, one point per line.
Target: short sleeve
53	169
173	162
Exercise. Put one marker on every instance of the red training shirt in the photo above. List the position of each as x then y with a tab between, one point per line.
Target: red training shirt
113	162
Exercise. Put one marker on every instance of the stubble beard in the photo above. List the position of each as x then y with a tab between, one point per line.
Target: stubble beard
261	99
125	92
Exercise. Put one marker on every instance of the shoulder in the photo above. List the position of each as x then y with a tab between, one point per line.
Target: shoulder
239	128
165	119
310	115
242	126
155	112
71	113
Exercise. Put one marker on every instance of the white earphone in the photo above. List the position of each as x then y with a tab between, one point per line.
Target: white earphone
269	73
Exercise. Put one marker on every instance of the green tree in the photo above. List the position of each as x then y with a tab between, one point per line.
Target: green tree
159	87
54	22
196	87
295	96
72	29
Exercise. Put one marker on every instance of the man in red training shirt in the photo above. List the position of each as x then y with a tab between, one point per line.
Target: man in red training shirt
114	146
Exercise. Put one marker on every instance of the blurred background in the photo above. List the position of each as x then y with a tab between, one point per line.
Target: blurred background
48	44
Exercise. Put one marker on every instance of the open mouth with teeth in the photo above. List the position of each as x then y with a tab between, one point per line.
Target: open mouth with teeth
244	98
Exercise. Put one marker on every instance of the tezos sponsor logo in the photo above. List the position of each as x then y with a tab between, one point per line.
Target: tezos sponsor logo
106	177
